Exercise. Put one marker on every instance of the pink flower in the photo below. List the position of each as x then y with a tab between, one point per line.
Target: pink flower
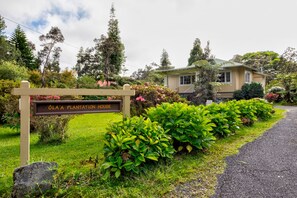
56	97
140	98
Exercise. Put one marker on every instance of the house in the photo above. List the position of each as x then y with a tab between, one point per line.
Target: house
232	76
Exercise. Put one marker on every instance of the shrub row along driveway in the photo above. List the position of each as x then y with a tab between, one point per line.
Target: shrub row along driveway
266	167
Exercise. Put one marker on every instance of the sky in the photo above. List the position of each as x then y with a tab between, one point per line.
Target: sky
149	26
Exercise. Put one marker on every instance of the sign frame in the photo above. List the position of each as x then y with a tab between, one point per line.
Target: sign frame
25	92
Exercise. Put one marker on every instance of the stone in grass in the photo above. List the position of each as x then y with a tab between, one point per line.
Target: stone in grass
33	179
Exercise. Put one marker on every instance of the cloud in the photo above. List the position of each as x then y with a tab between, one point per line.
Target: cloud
148	26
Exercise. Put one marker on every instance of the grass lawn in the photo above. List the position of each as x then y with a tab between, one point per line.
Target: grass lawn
79	178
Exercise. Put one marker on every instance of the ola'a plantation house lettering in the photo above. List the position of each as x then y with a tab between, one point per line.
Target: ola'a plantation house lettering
75	107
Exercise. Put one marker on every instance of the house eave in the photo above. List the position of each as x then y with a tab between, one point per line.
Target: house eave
223	65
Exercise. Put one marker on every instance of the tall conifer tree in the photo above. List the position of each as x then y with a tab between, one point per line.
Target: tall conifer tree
19	40
196	53
164	61
111	49
7	50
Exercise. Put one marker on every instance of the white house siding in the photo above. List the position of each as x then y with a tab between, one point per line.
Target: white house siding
173	82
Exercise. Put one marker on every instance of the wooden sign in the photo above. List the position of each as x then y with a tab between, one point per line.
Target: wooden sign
60	107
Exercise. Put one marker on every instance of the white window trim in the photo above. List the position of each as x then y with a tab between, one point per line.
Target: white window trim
187	75
166	81
245	80
225	77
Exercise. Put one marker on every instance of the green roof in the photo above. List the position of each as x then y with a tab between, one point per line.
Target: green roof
222	63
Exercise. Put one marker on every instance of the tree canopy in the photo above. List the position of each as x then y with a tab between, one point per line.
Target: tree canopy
262	60
7	51
198	54
21	43
204	87
111	49
50	40
270	62
106	59
164	61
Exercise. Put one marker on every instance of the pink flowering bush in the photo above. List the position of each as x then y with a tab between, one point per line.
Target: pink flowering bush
45	98
275	94
140	98
150	95
272	97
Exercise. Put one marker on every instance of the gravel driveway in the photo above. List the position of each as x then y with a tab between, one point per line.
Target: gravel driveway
266	167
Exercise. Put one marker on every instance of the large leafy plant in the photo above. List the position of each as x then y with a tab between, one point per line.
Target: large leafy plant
263	109
247	112
187	124
131	144
226	118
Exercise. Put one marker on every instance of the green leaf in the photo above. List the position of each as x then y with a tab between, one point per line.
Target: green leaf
106	165
152	157
180	148
189	148
128	139
164	145
114	169
119	160
106	143
142	138
141	158
137	142
128	163
106	175
114	137
117	173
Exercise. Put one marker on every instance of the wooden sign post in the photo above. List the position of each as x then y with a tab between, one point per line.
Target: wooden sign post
58	107
25	125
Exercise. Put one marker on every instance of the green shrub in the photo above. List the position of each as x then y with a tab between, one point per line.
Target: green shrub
86	82
233	115
248	91
188	125
11	116
263	109
35	77
6	97
226	118
238	95
289	83
147	96
131	144
52	129
252	90
12	71
247	112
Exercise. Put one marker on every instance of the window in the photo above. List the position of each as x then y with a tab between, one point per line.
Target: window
225	77
187	80
247	77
